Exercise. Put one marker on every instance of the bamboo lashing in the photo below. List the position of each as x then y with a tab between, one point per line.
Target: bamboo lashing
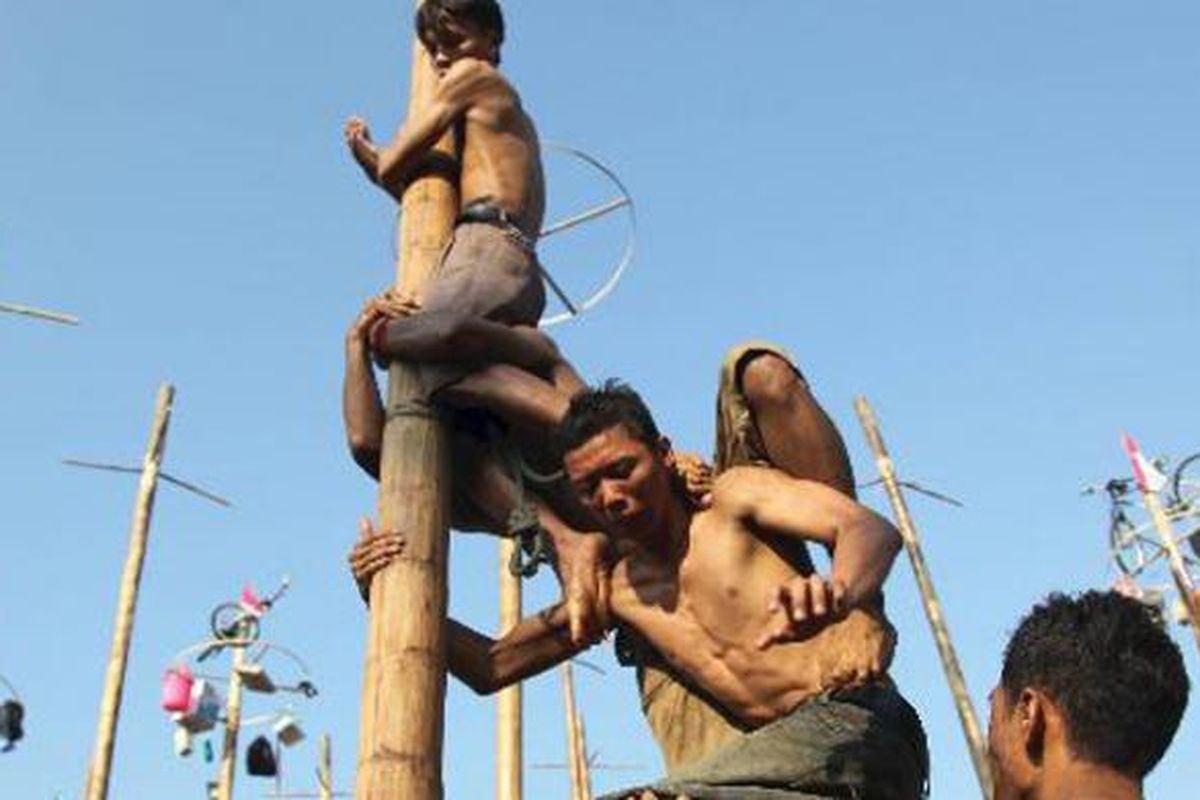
100	769
929	598
404	675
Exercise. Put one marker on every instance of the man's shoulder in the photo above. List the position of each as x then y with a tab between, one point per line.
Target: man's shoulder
477	75
736	487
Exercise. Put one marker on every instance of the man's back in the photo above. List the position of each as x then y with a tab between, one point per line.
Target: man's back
706	612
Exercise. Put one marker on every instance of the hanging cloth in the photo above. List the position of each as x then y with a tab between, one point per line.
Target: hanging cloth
260	759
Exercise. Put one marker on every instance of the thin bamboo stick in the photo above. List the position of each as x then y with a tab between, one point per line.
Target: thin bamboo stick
39	313
1166	532
509	760
325	769
581	782
114	685
404	675
233	722
929	598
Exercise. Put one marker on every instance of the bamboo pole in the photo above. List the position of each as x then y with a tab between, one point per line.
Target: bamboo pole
325	769
114	685
933	608
404	675
1166	532
509	760
233	721
581	782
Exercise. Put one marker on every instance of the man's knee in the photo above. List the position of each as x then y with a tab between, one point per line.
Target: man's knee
768	379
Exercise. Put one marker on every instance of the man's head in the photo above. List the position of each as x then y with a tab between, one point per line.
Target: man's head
1089	680
616	460
455	29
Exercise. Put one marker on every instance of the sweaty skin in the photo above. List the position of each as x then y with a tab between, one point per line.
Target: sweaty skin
705	589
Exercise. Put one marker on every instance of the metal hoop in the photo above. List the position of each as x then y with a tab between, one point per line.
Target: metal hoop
624	201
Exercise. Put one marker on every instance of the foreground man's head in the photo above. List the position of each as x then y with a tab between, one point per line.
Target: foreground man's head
616	460
1091	694
455	29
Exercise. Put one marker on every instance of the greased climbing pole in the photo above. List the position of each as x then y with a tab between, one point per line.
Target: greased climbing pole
404	676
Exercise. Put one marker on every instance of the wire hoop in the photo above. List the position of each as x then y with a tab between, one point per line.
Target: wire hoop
624	201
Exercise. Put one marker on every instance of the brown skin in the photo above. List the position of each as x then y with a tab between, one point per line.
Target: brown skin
704	588
500	157
529	403
1031	755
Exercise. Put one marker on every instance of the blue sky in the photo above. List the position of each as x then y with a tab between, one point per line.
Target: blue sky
980	215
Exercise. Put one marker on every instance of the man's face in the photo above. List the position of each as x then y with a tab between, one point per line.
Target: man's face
1006	747
621	480
454	40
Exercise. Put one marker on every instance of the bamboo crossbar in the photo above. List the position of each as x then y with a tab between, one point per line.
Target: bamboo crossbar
39	313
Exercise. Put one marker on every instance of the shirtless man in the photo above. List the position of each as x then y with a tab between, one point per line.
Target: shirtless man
793	658
1090	696
489	271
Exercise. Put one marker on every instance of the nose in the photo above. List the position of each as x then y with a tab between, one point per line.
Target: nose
612	501
440	60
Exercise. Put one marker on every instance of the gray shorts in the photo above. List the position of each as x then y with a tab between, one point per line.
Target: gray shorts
852	744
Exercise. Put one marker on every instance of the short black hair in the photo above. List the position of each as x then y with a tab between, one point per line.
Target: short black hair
432	16
599	408
1115	674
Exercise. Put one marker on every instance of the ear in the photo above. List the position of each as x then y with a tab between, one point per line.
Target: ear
664	451
1032	709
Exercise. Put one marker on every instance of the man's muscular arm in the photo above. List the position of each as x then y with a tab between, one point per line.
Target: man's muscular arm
464	84
862	543
362	411
534	645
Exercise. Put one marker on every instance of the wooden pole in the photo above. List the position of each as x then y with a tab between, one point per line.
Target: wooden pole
114	684
509	760
933	608
325	769
404	675
581	782
1166	532
233	721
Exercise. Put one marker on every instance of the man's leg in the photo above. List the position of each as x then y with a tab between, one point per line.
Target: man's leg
516	396
796	433
457	336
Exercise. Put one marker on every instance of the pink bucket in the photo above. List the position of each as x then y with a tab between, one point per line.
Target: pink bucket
177	689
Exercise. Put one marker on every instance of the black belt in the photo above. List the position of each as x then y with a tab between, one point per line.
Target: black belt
486	212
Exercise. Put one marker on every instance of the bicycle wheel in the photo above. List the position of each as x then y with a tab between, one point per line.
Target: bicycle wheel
229	621
1185	500
1125	547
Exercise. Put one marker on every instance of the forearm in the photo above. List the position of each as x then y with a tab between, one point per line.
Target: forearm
411	151
863	553
533	646
862	543
362	411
